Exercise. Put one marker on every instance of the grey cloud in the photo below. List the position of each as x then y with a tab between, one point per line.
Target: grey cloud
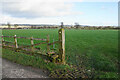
32	9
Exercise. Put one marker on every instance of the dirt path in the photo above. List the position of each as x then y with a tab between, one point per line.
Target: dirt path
13	70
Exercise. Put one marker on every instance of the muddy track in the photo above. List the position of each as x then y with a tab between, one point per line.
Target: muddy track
13	70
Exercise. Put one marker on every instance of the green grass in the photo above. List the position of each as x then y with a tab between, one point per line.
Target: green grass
97	49
28	60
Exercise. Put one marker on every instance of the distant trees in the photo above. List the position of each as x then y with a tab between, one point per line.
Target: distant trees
76	25
15	25
32	27
8	24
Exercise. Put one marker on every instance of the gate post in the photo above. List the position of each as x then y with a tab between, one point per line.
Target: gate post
62	44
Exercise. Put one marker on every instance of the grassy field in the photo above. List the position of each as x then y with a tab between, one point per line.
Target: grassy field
96	49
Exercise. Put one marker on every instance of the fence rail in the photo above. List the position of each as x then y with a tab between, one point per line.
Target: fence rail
33	45
25	38
46	41
9	41
53	43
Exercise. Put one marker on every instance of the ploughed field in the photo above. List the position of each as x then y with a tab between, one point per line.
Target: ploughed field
96	49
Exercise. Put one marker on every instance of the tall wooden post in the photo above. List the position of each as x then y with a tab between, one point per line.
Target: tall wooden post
62	44
32	43
48	47
15	39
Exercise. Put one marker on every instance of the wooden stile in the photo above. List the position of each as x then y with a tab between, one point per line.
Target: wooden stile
51	53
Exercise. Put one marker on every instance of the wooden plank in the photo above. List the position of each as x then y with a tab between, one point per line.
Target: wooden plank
24	37
8	36
39	43
9	46
33	38
49	53
8	41
54	58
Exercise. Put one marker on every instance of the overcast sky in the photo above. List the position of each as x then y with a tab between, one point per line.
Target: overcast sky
85	12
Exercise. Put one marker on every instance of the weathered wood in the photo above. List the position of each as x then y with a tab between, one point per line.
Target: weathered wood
8	36
49	53
8	42
25	38
54	58
47	41
62	45
32	43
9	46
33	38
48	47
15	39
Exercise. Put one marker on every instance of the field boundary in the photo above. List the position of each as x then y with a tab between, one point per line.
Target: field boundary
58	57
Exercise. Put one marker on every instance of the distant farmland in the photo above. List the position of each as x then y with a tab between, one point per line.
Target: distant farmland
96	49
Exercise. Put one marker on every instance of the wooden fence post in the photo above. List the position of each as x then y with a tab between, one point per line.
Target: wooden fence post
62	45
32	43
15	39
3	43
48	40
